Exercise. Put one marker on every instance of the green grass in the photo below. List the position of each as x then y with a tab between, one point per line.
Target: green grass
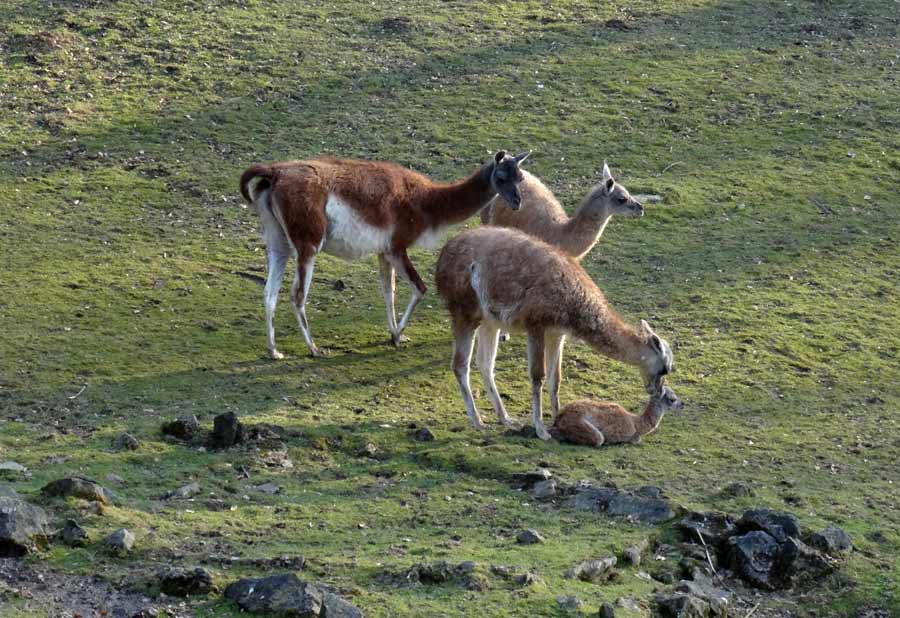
771	129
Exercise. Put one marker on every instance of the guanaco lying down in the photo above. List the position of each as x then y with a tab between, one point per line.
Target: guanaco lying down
595	423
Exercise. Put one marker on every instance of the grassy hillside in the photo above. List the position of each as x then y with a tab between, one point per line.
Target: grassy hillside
771	129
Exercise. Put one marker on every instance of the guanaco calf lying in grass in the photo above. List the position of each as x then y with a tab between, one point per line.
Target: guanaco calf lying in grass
595	423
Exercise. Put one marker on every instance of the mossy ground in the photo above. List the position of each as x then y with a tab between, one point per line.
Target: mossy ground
771	129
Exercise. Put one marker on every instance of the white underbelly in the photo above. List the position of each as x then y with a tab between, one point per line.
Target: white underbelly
349	236
431	238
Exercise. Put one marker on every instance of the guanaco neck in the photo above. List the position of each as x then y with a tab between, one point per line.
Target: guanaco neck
446	204
581	232
593	321
650	419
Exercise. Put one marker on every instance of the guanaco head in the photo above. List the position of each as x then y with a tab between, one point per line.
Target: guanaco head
665	399
611	198
656	358
506	176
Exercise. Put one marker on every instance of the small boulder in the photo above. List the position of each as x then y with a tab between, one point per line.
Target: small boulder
680	605
227	431
183	492
649	510
714	527
527	480
753	557
13	466
180	582
633	553
267	488
832	540
120	542
77	487
594	571
529	537
125	442
182	428
23	527
423	434
73	535
799	561
777	524
606	611
544	490
737	490
569	603
286	595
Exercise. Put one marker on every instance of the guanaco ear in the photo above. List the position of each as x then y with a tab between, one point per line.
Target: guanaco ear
607	175
499	156
522	156
645	329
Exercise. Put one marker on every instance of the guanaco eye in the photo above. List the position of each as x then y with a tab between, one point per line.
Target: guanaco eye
622	200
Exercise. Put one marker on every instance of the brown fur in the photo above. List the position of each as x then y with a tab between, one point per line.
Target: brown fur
292	198
495	277
595	423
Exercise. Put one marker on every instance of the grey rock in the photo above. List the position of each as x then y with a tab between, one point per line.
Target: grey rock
73	535
643	505
7	492
632	554
120	542
183	492
181	582
753	557
777	524
628	603
286	595
527	480
12	466
715	527
703	587
529	537
368	450
77	487
115	478
126	442
525	579
832	540
799	561
268	488
227	431
737	490
464	574
23	527
569	603
544	490
594	571
423	435
606	611
182	428
680	605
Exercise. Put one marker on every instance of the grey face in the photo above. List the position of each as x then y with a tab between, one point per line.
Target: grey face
615	198
669	399
506	176
659	365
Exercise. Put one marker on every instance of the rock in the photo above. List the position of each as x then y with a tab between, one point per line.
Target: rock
606	611
832	540
268	488
529	537
715	527
776	524
464	573
180	582
628	603
799	561
525	579
753	557
737	490
23	527
423	435
680	605
12	466
527	480
569	603
115	478
125	442
643	505
73	535
339	285
544	490
704	588
594	571
369	450
76	487
286	595
8	492
633	553
120	542
182	428
183	492
227	431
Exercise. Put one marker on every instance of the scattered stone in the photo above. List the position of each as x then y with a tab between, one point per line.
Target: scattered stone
633	553
799	561
594	571
268	488
569	603
423	435
606	611
180	582
737	490
643	505
527	480
73	535
703	587
777	524
369	450
182	428
832	540
183	492
227	431
628	604
125	442
288	596
752	557
115	478
77	487
465	574
525	579
120	542
339	285
544	490
23	527
12	466
529	537
680	605
715	527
